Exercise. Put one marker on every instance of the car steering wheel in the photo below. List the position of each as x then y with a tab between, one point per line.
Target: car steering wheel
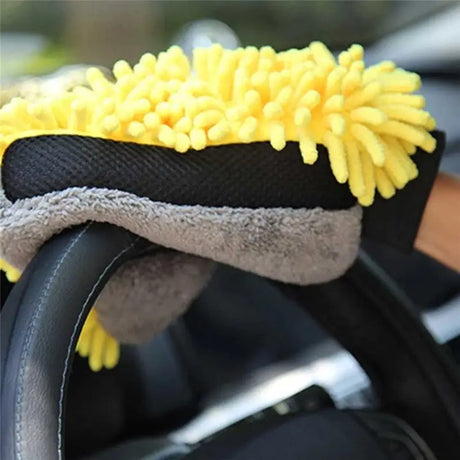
42	318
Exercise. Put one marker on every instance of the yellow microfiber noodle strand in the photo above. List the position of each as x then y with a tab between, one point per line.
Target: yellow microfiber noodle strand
368	118
12	273
94	343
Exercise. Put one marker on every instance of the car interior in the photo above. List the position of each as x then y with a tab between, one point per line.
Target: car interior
364	366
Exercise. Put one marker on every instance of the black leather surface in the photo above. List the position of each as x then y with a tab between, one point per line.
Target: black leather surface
40	323
327	435
236	175
399	438
414	378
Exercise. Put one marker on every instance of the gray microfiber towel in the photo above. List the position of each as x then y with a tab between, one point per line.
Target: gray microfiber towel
148	294
300	246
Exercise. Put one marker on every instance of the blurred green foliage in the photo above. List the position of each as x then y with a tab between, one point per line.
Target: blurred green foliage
281	23
41	17
50	59
288	23
97	31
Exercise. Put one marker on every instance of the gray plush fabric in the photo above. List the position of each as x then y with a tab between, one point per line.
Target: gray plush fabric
301	246
146	295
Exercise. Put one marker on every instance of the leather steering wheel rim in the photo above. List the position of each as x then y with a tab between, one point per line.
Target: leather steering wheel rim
40	325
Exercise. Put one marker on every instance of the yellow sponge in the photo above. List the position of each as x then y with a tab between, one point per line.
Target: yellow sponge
367	118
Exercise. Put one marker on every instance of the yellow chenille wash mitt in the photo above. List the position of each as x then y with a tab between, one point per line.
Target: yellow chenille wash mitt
367	118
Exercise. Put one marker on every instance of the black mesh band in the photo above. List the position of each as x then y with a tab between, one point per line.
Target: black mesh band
396	221
237	175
